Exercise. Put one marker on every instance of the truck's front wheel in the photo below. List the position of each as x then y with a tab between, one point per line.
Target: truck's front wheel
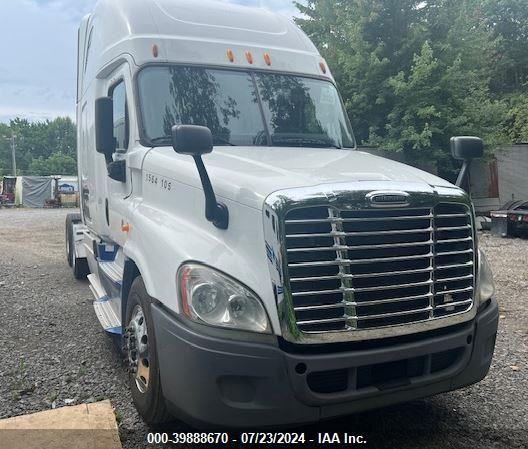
144	375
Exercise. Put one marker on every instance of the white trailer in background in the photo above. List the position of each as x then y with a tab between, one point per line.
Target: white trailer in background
259	268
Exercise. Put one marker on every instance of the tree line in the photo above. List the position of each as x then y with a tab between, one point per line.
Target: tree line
42	148
414	73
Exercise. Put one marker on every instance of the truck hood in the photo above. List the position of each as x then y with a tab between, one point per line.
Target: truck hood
249	174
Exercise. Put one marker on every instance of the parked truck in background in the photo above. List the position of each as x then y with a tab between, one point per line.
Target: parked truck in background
260	269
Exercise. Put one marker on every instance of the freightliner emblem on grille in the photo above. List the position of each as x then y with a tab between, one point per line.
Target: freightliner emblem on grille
388	199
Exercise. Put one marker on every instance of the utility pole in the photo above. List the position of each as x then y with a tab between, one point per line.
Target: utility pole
13	153
12	141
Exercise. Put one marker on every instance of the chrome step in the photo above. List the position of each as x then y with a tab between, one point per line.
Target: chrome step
106	308
112	271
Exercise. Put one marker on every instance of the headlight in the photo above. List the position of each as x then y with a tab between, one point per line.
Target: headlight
210	297
485	285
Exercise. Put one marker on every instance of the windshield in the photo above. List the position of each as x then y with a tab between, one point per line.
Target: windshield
243	108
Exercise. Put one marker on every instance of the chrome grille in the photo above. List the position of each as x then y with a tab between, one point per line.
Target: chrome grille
364	269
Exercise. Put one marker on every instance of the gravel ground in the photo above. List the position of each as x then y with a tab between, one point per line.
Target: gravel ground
56	354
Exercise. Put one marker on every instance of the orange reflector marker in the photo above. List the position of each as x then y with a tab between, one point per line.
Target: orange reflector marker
323	66
186	274
155	50
267	58
125	227
230	55
249	57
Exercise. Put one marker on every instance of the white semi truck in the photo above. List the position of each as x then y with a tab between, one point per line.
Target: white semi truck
260	269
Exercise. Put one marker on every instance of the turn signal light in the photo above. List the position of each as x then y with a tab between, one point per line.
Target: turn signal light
323	66
155	50
230	55
185	276
267	58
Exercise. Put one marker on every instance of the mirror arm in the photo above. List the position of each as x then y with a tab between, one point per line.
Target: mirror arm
464	172
215	212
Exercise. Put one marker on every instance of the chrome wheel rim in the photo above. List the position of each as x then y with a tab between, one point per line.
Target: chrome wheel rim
138	349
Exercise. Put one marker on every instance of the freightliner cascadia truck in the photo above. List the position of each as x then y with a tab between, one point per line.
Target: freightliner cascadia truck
259	268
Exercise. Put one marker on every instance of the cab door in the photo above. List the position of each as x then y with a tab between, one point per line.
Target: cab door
119	191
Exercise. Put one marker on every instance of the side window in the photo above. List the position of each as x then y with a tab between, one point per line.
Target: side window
118	94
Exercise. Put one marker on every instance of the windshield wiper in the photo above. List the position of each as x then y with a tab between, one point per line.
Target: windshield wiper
305	141
168	139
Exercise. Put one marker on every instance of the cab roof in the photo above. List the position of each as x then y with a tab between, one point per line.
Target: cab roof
194	32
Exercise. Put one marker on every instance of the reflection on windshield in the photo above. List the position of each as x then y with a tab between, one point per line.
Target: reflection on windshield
243	109
196	100
303	112
226	102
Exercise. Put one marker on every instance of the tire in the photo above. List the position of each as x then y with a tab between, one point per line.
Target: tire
148	397
71	219
79	265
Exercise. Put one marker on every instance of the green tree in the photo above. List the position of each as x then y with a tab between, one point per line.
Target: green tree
365	42
434	102
61	136
47	147
56	164
517	121
508	21
412	73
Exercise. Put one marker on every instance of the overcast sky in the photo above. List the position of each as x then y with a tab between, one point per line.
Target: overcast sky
38	44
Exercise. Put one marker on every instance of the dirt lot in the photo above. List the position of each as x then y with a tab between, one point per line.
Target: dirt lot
55	353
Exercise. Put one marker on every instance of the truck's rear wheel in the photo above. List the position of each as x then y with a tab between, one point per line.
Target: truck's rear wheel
144	375
79	265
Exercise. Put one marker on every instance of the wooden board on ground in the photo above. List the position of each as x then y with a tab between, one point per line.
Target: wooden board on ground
87	426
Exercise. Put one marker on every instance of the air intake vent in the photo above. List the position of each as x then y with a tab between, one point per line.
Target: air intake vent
373	268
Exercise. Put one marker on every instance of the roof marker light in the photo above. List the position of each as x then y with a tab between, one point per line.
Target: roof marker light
230	55
249	57
155	50
323	66
267	58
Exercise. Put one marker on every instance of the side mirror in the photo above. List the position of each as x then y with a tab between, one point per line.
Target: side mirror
467	148
195	141
117	170
192	140
104	127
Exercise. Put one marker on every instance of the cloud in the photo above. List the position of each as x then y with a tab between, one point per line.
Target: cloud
75	9
38	44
